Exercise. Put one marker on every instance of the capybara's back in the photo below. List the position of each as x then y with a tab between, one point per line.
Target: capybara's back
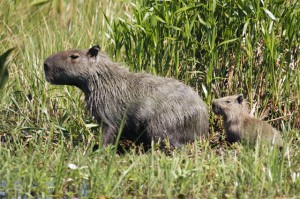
239	126
152	108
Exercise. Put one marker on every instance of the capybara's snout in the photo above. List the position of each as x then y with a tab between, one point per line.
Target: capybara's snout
215	107
46	67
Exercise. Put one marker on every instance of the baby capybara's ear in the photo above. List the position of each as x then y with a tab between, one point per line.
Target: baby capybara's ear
240	98
94	50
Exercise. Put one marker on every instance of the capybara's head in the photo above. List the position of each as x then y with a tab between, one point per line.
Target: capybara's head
70	67
228	105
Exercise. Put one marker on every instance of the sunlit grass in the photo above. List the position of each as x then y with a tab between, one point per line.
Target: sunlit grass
219	47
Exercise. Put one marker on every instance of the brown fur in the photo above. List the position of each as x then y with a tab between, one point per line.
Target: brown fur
239	126
153	108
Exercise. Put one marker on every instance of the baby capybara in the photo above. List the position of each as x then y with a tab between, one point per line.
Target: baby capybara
152	108
239	126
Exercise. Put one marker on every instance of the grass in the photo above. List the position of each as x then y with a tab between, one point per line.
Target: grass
197	170
47	138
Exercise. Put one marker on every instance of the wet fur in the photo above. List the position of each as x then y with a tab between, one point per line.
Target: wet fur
153	108
239	126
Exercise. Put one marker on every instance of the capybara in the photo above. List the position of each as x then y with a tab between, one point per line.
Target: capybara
151	108
238	124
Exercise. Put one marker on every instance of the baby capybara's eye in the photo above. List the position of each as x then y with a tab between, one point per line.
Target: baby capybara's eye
74	56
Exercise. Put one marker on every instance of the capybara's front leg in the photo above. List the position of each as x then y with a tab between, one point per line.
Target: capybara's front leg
108	134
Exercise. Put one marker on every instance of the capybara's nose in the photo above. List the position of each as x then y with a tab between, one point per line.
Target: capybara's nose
213	105
46	67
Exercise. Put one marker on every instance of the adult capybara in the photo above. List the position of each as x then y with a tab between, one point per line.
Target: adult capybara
152	108
238	124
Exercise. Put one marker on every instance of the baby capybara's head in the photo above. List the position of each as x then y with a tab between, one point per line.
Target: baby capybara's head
228	105
69	67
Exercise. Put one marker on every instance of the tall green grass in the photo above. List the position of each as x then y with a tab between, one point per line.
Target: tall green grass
218	47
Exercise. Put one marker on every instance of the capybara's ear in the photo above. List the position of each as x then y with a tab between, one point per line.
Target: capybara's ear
240	98
94	50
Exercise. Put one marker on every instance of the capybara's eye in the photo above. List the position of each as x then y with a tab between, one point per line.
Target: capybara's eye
74	56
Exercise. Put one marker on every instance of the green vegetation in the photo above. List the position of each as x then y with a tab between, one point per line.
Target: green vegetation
219	47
